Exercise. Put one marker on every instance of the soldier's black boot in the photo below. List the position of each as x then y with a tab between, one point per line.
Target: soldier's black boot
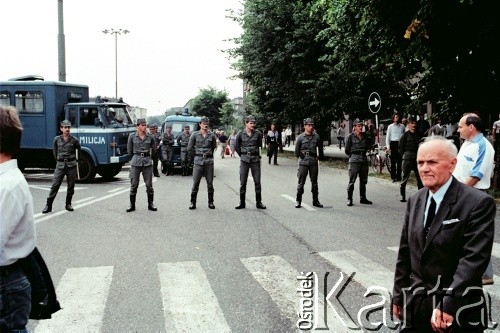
68	203
131	208
211	201
362	192
170	170
155	172
242	201
298	201
316	202
48	207
151	205
193	200
258	198
349	196
184	171
163	168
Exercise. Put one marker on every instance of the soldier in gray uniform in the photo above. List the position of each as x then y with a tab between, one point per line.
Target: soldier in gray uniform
140	147
65	149
248	144
306	150
356	147
183	141
167	150
153	130
201	146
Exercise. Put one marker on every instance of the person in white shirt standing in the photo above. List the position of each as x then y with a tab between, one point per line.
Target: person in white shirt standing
394	133
475	163
17	227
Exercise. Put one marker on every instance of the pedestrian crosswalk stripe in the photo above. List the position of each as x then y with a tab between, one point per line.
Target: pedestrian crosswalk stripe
368	272
189	300
82	293
279	280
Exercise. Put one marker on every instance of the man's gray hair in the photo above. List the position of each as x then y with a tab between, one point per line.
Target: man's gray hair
450	146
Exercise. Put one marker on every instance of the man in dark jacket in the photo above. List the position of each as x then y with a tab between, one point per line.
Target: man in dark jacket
356	147
306	149
408	147
248	144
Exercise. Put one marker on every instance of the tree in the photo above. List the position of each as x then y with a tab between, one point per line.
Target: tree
208	103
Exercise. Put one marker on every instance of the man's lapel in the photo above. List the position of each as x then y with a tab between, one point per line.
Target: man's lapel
449	200
419	219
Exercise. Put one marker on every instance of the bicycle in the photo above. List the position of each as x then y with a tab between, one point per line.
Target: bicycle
387	160
375	160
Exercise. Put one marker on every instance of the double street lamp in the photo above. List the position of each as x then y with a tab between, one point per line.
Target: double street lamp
116	33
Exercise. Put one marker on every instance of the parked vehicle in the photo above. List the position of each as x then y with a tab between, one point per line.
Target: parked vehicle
177	123
101	125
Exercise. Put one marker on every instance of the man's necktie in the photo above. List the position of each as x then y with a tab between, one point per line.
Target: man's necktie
431	212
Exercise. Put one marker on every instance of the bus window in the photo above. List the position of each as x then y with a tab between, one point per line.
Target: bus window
29	101
4	98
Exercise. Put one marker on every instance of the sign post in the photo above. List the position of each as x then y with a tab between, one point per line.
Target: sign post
374	104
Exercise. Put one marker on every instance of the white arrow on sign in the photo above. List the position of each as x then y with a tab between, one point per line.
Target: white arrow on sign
376	102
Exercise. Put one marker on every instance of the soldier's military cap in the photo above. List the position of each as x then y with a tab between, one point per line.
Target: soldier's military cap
308	121
153	125
204	120
140	121
357	122
187	127
65	122
249	119
412	119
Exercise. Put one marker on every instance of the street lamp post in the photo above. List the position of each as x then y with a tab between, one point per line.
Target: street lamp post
116	33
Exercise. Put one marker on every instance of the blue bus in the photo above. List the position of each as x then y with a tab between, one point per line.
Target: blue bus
102	126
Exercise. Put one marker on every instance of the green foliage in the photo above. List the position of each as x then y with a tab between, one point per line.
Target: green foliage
322	58
209	102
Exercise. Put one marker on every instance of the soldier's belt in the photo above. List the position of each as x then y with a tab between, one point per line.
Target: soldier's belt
142	154
308	153
251	154
66	159
205	155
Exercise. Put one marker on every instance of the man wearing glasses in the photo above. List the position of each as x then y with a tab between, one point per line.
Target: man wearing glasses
306	149
140	147
248	144
65	147
356	147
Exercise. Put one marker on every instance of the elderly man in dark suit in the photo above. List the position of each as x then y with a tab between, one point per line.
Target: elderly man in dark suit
445	247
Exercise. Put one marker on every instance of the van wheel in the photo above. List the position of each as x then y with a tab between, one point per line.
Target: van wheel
87	168
109	171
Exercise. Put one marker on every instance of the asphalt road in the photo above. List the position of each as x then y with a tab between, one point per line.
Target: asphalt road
224	269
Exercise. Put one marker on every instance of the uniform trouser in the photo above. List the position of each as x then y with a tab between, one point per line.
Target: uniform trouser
167	156
395	160
147	175
355	169
302	176
184	158
255	168
70	173
206	171
408	167
15	300
273	151
154	157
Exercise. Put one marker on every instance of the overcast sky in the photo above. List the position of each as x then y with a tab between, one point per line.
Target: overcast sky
172	51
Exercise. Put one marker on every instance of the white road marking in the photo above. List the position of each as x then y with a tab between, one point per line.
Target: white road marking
82	293
116	189
279	280
62	189
189	300
368	272
292	199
